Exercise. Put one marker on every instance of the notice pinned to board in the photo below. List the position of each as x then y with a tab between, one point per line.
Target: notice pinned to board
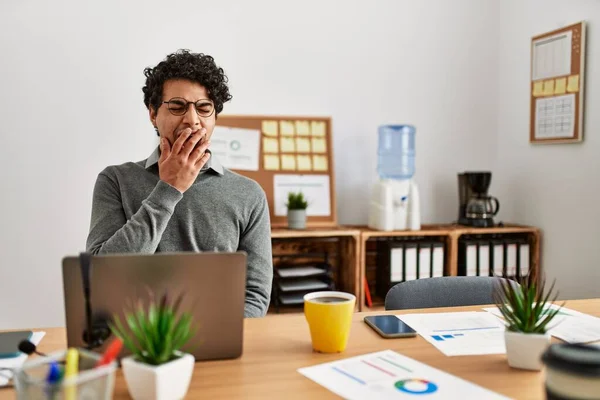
314	187
236	148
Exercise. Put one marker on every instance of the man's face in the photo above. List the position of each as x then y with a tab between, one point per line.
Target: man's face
170	126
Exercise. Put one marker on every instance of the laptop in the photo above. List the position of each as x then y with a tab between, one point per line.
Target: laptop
213	284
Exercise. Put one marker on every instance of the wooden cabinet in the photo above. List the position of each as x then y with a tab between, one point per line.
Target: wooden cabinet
352	252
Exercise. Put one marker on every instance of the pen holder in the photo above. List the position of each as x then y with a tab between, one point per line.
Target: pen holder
89	383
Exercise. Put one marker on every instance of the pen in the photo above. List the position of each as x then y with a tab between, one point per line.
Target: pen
71	370
113	349
53	373
52	379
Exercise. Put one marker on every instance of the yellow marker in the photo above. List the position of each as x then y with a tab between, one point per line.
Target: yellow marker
71	370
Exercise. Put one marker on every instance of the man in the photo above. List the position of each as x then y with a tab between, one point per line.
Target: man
181	198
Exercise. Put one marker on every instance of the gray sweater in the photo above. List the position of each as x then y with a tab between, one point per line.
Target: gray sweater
133	211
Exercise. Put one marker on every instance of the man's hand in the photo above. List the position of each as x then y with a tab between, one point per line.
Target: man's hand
179	165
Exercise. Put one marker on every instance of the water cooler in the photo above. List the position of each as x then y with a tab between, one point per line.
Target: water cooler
394	203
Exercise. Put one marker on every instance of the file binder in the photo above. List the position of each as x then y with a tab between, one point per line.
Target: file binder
410	261
498	257
483	259
471	258
425	261
511	258
437	260
523	258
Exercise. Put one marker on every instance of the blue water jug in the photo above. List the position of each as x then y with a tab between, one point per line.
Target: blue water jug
396	152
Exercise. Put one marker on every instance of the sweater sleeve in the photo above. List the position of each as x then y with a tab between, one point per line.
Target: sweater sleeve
111	232
256	242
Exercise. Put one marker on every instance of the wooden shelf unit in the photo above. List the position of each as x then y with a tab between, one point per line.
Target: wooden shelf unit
351	252
342	246
451	234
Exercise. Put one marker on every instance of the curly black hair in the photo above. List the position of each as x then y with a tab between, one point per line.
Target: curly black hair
196	67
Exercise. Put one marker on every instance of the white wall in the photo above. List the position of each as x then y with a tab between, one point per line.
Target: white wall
555	187
71	103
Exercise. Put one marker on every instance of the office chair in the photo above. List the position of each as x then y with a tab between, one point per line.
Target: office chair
447	291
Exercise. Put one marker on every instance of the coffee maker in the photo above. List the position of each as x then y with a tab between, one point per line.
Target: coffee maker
477	208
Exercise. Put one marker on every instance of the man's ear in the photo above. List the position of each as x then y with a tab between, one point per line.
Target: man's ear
152	113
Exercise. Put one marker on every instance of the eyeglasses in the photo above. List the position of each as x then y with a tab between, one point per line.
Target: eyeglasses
179	106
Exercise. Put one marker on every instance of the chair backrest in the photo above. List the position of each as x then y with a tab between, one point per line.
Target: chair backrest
447	291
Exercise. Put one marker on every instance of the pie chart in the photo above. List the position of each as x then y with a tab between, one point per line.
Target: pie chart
416	386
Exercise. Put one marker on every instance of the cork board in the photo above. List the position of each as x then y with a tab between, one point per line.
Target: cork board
557	85
282	154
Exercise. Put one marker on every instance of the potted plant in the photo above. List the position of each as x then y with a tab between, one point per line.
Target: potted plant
157	368
296	206
526	309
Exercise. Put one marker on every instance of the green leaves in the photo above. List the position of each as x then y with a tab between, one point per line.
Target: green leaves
156	331
525	305
296	201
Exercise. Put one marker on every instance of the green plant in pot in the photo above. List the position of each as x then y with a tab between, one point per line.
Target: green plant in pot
296	206
155	333
526	308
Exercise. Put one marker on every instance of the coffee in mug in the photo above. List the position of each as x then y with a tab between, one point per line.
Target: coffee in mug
329	316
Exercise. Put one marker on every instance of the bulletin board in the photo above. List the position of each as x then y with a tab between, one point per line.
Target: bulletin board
557	85
283	154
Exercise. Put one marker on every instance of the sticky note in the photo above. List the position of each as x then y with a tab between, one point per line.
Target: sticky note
288	163
319	146
302	128
270	145
269	128
302	145
573	84
271	162
287	128
304	163
319	163
560	86
317	128
287	145
538	88
549	87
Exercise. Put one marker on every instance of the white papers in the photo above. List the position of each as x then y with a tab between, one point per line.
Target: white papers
314	187
552	56
16	362
555	116
460	333
389	375
236	148
568	325
299	271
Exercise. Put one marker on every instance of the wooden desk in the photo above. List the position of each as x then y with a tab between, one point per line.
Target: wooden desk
275	347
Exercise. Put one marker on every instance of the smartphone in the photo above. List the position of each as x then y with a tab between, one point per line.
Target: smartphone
389	326
9	343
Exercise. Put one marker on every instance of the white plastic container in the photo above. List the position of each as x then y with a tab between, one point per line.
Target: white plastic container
394	205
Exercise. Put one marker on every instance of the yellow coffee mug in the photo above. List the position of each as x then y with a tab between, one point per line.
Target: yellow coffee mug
329	317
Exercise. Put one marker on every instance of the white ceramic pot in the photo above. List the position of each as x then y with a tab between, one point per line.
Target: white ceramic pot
524	350
296	219
168	381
